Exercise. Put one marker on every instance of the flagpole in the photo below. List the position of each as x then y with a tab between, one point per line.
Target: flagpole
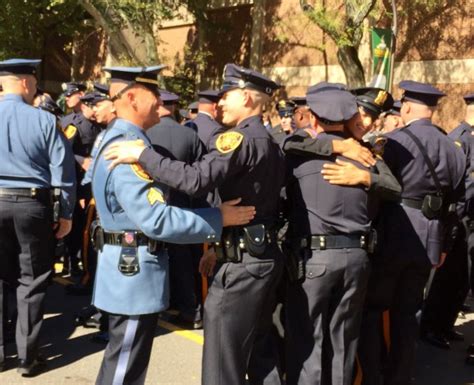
393	44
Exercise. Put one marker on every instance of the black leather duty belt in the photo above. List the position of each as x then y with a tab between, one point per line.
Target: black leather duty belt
132	239
33	192
325	242
413	203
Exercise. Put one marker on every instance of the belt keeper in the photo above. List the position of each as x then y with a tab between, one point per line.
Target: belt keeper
33	192
363	242
241	243
322	242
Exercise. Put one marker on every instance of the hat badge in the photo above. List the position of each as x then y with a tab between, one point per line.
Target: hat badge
381	98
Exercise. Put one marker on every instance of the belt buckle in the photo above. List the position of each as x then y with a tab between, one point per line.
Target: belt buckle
322	242
129	239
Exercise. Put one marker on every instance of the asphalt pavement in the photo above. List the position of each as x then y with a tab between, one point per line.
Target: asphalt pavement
73	359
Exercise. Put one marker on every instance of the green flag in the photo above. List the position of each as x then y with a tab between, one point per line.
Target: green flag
382	58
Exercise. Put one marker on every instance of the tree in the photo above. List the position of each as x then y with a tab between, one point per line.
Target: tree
26	25
344	27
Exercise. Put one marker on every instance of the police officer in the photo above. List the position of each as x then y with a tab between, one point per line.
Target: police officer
250	260
35	158
450	284
81	131
330	241
430	169
182	143
286	110
132	280
302	113
205	121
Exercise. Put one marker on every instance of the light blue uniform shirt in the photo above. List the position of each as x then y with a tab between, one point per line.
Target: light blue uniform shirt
128	200
33	153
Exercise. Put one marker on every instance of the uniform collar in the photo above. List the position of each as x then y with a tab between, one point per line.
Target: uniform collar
128	127
206	114
14	97
252	120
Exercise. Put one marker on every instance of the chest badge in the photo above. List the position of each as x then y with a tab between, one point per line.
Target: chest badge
228	141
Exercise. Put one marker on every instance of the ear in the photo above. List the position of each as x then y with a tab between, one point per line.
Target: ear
247	96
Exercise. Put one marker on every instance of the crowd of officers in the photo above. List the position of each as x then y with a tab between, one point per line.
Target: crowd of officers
347	224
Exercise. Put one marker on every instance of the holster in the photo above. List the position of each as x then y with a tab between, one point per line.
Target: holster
295	261
97	235
432	206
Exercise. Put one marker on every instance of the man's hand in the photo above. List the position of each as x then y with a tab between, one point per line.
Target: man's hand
351	148
124	152
345	173
208	262
233	215
64	228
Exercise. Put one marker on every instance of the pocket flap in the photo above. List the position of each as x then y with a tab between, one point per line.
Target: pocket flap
313	271
260	269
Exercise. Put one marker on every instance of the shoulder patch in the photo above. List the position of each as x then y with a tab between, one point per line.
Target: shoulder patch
70	131
154	195
378	146
140	172
228	141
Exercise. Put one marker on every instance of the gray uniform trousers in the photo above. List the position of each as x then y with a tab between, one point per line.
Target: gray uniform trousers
127	354
26	249
323	317
233	312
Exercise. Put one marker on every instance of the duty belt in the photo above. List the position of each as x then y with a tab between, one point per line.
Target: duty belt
132	239
324	242
33	192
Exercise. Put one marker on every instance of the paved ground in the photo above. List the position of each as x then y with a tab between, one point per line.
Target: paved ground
176	357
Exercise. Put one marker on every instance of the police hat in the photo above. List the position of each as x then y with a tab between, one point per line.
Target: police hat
240	77
48	104
373	100
300	101
325	86
285	108
469	98
209	96
19	66
146	76
168	97
92	98
420	93
73	87
331	105
102	88
395	110
193	107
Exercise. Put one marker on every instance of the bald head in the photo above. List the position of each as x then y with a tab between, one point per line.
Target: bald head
23	85
412	110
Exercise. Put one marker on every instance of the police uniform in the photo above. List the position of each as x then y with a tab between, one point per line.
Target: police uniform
204	123
237	164
34	158
330	239
181	143
409	242
450	284
132	273
81	133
